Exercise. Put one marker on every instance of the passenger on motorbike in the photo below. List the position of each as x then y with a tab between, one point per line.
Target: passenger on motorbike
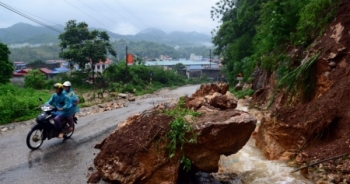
64	106
68	91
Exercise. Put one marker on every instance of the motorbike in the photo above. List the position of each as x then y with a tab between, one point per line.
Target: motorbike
45	127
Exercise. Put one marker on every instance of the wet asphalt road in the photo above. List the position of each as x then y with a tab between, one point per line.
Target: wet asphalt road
67	161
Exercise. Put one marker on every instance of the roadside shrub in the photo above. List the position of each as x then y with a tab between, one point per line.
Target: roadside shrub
34	79
18	104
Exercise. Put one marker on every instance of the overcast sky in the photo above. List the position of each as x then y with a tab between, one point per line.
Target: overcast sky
119	16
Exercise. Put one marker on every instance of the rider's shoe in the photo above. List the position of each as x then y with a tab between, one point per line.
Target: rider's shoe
60	136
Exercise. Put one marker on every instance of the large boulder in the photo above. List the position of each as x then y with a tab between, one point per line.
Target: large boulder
209	89
212	95
136	152
219	133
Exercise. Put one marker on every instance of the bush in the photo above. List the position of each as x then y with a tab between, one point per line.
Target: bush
34	79
18	104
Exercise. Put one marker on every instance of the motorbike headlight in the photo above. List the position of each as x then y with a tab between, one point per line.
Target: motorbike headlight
46	108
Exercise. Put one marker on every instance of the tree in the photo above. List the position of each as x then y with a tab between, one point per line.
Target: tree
34	79
179	66
81	46
6	67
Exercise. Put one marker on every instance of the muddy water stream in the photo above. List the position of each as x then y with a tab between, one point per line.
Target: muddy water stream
253	168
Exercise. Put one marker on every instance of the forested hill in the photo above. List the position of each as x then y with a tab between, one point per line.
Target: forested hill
263	32
26	33
141	48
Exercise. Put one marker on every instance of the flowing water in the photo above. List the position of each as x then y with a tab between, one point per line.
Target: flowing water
253	168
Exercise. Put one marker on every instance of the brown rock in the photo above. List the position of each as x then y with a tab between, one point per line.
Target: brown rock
231	129
131	98
222	102
194	103
230	96
94	177
209	89
209	98
133	154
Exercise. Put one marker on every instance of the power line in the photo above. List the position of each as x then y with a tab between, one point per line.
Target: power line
137	18
98	12
123	16
13	33
28	17
85	13
118	13
40	17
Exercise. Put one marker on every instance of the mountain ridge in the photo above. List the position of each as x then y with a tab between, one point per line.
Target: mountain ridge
27	33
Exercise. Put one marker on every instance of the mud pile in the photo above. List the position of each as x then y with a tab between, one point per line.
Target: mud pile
136	151
318	129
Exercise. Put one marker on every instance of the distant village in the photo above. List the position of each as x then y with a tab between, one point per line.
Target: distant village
195	67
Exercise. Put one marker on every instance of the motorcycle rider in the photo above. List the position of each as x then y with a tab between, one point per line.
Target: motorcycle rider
64	106
68	91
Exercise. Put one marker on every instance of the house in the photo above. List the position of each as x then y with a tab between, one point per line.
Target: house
194	71
48	65
23	72
18	65
60	70
101	66
169	64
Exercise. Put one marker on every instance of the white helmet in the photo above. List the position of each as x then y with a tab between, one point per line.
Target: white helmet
67	83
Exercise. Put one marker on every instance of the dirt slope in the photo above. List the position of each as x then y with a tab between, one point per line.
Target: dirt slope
321	128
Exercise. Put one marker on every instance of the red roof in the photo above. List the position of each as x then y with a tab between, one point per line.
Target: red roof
23	72
108	61
45	70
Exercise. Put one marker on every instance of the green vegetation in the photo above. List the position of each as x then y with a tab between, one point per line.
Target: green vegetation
179	131
6	67
138	77
258	33
140	49
90	47
303	79
241	94
35	79
18	104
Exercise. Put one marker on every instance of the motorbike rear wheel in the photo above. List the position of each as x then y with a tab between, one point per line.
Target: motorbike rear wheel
35	138
67	133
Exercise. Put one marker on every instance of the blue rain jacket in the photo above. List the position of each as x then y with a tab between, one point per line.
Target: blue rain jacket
62	101
74	98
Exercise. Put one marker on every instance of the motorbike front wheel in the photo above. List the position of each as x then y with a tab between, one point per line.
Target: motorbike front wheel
35	138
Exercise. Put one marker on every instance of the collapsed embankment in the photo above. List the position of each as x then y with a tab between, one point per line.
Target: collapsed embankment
320	128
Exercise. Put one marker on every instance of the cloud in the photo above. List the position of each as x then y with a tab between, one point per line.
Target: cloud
122	17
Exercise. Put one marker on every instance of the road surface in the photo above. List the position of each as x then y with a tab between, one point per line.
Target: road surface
59	161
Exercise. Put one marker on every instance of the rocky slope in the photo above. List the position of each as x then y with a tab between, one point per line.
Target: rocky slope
318	129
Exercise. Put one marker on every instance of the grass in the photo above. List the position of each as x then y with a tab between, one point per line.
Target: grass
18	104
241	94
179	129
302	79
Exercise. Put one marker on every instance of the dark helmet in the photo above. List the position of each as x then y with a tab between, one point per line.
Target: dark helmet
58	86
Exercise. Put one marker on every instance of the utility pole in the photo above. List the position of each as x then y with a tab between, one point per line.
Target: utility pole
126	64
126	57
210	58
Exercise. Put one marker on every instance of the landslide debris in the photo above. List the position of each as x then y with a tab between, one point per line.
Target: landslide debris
136	152
320	128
